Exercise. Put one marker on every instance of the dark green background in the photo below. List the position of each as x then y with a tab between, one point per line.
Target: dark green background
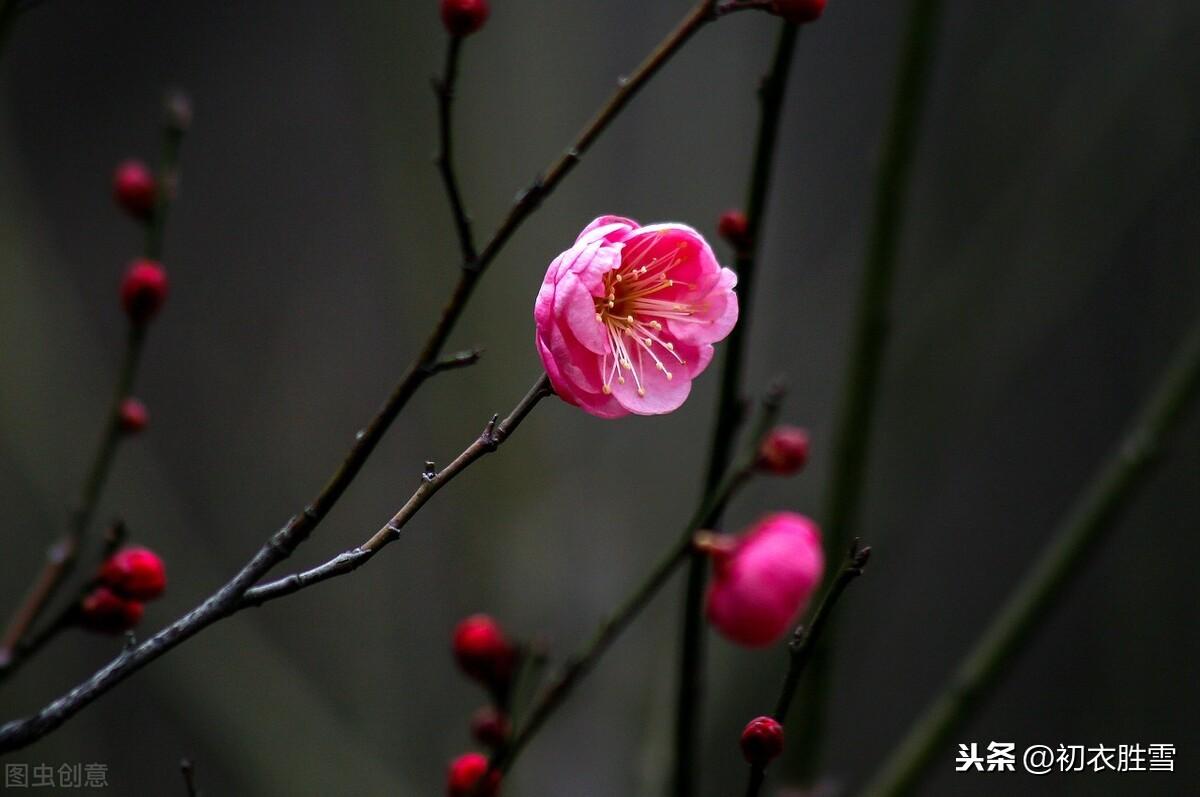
1048	265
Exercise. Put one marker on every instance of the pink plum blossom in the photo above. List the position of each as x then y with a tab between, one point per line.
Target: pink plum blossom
626	317
763	580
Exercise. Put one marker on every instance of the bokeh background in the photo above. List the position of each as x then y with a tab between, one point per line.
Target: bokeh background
1048	266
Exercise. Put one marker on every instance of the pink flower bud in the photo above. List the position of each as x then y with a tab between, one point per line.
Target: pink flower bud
627	317
143	290
784	450
464	17
490	727
465	774
734	227
134	189
483	652
105	611
762	741
799	11
136	573
132	416
764	579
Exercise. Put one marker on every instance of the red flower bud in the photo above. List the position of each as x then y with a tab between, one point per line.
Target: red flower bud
133	416
483	652
762	741
784	450
490	727
798	11
105	611
734	228
465	774
134	189
143	290
464	17
136	573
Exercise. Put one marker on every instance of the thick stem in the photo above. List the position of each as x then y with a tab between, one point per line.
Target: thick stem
1094	512
729	409
853	434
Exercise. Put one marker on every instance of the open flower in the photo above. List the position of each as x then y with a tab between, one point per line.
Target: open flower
626	317
763	579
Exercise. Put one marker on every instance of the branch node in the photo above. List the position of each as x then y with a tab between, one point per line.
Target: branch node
429	473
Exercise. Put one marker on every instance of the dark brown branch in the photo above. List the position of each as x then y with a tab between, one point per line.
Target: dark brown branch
32	642
578	666
444	88
283	543
730	404
804	641
493	435
234	596
62	555
60	559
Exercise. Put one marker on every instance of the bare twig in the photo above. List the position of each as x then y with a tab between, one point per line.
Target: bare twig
444	88
32	642
729	406
234	596
579	665
493	435
284	542
803	643
61	557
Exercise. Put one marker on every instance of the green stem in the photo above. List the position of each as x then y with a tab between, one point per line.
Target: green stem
1080	532
853	433
729	411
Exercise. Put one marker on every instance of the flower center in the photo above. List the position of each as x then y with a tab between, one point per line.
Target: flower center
633	313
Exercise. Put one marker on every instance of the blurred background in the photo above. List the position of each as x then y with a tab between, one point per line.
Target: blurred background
1048	267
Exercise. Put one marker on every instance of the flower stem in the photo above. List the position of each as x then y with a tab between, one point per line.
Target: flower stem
729	409
803	643
580	664
853	433
62	555
279	546
1094	512
444	88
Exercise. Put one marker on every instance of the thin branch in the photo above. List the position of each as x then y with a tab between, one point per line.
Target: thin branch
235	596
493	435
872	320
283	543
579	665
444	88
732	6
67	616
803	643
62	555
1029	604
730	405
